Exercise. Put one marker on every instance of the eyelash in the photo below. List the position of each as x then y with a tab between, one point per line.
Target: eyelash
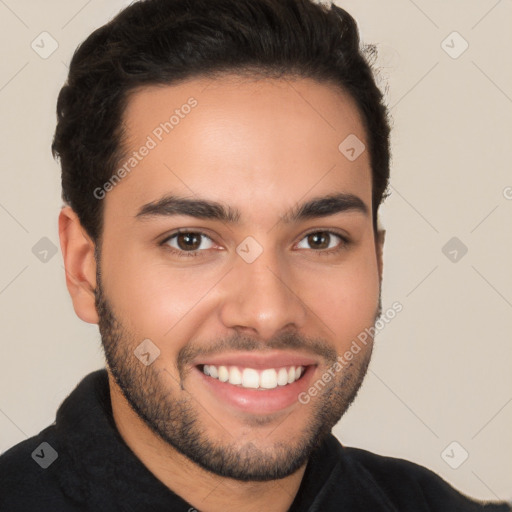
345	242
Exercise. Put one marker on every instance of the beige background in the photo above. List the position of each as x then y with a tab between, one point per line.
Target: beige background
442	368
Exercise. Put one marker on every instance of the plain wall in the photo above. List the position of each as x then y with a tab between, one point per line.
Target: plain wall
441	370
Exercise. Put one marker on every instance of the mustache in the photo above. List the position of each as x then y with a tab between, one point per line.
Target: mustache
237	342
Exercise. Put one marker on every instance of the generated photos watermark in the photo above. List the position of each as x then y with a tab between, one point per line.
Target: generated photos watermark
356	346
157	135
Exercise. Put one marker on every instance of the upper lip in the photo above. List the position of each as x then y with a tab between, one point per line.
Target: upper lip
257	360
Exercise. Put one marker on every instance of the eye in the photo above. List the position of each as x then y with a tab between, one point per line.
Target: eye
323	241
193	243
188	243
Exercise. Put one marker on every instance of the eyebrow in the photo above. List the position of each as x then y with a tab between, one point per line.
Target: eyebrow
324	206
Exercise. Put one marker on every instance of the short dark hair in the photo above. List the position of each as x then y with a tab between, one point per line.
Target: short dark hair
167	41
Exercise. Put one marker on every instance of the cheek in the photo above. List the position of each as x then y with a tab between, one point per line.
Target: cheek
153	299
345	297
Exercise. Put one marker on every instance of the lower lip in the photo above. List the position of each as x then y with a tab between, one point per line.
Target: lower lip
258	401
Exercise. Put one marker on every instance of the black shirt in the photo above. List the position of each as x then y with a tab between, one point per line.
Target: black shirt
81	463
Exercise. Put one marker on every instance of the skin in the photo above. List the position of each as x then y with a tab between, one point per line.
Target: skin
261	147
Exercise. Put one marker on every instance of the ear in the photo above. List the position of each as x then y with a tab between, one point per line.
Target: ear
379	248
80	264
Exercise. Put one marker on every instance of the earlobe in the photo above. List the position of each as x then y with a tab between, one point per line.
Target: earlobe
79	263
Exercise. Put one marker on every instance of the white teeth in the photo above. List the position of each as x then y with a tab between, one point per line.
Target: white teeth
269	378
282	377
250	378
223	374
235	375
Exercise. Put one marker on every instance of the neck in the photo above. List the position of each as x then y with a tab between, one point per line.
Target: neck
202	489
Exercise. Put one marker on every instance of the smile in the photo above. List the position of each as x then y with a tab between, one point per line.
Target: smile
256	383
251	378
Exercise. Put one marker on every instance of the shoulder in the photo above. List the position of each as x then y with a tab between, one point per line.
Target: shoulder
28	475
405	483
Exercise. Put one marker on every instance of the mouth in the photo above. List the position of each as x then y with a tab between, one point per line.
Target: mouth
252	378
255	384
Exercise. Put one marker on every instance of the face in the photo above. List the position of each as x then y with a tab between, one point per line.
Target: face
241	244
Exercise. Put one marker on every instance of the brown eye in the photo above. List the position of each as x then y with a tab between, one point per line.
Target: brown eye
319	240
323	241
189	241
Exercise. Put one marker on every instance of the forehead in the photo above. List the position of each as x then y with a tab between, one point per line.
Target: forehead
247	141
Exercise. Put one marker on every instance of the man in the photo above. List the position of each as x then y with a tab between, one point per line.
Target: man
222	167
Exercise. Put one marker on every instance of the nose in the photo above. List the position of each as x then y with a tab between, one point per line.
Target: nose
261	299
